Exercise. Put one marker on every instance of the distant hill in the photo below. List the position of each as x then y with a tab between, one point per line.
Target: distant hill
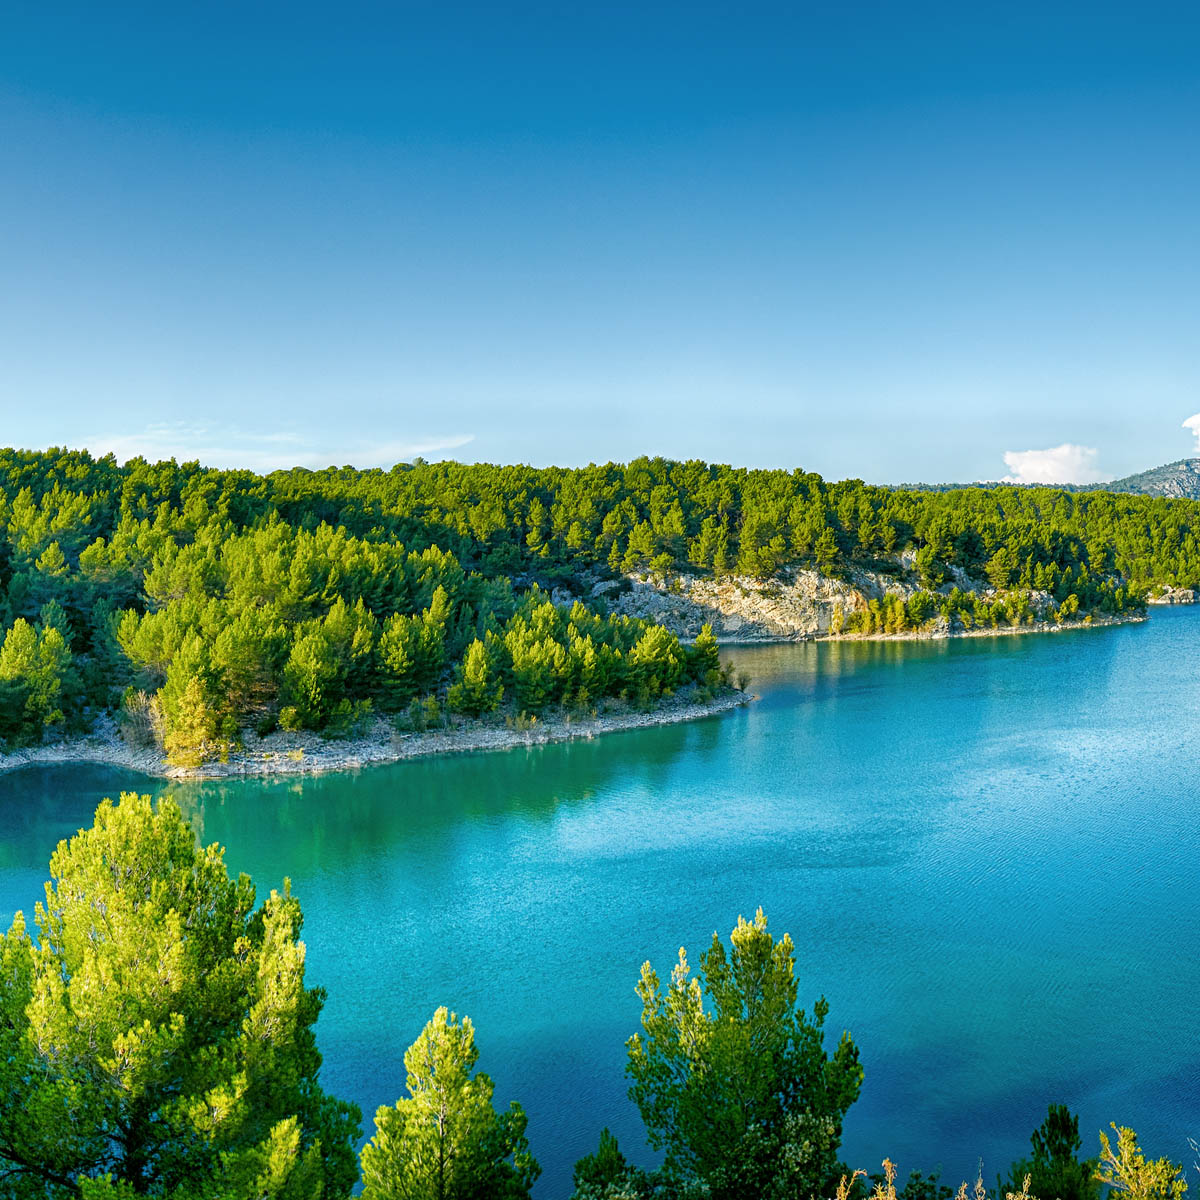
1180	480
1177	480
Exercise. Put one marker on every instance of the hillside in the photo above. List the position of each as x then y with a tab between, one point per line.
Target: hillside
1177	480
204	606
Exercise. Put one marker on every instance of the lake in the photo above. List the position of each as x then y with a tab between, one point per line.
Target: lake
986	851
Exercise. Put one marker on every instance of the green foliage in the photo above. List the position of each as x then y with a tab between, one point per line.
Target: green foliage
309	589
36	675
607	1165
445	1140
310	676
607	1174
432	716
1128	1172
959	609
194	732
349	718
656	662
704	658
1055	1170
156	1038
732	1080
478	689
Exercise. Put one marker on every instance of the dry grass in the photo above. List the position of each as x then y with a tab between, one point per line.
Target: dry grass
885	1189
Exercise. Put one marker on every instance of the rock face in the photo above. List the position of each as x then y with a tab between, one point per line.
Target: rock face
1173	596
1179	480
796	606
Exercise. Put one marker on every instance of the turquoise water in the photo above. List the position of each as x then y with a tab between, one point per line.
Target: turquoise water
987	853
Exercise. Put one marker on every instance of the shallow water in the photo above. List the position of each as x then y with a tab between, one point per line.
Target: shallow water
986	851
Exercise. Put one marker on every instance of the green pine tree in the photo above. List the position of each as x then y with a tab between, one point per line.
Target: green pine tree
156	1038
478	689
445	1140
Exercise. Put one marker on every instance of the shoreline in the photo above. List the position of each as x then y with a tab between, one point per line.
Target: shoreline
802	605
936	635
281	753
297	754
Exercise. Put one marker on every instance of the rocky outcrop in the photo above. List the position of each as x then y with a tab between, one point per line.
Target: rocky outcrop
307	753
1178	480
798	605
1173	596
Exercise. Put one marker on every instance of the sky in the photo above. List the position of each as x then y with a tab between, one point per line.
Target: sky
895	242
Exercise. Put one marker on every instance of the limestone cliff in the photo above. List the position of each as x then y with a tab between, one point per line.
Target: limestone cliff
797	605
1172	596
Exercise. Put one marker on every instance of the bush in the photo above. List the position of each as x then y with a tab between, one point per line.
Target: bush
290	720
141	719
349	719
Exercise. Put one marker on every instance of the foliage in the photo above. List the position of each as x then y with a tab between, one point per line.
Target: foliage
739	1091
445	1141
303	600
141	722
607	1174
305	589
478	689
1055	1170
1127	1171
194	732
157	1038
35	665
704	658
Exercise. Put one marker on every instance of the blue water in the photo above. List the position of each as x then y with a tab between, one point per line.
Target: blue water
987	853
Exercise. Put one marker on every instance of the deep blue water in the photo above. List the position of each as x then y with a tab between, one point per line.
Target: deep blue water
986	851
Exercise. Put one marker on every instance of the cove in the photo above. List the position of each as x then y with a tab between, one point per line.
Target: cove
986	851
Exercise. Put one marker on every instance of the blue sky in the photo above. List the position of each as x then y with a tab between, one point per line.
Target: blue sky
891	241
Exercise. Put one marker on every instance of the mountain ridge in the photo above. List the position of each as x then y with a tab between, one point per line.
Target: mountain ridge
1176	481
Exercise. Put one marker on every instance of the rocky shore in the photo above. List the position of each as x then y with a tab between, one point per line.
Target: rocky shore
939	630
801	605
283	753
1172	596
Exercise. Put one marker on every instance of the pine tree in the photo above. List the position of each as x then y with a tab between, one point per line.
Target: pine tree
704	658
156	1038
445	1140
192	731
737	1087
478	689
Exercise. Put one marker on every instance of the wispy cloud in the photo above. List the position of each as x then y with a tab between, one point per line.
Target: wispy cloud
1067	463
232	448
1193	424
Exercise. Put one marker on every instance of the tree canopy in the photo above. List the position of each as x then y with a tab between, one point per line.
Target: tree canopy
445	1140
1055	1168
313	598
157	1037
732	1079
205	603
1127	1171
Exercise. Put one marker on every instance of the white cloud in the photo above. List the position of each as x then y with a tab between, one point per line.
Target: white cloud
1067	463
235	448
1193	424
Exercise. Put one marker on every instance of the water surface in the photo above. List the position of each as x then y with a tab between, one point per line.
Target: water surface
986	851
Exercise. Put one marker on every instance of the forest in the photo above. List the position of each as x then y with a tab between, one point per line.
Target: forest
197	603
157	1039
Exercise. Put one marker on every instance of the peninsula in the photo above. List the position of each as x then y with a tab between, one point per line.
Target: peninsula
206	617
